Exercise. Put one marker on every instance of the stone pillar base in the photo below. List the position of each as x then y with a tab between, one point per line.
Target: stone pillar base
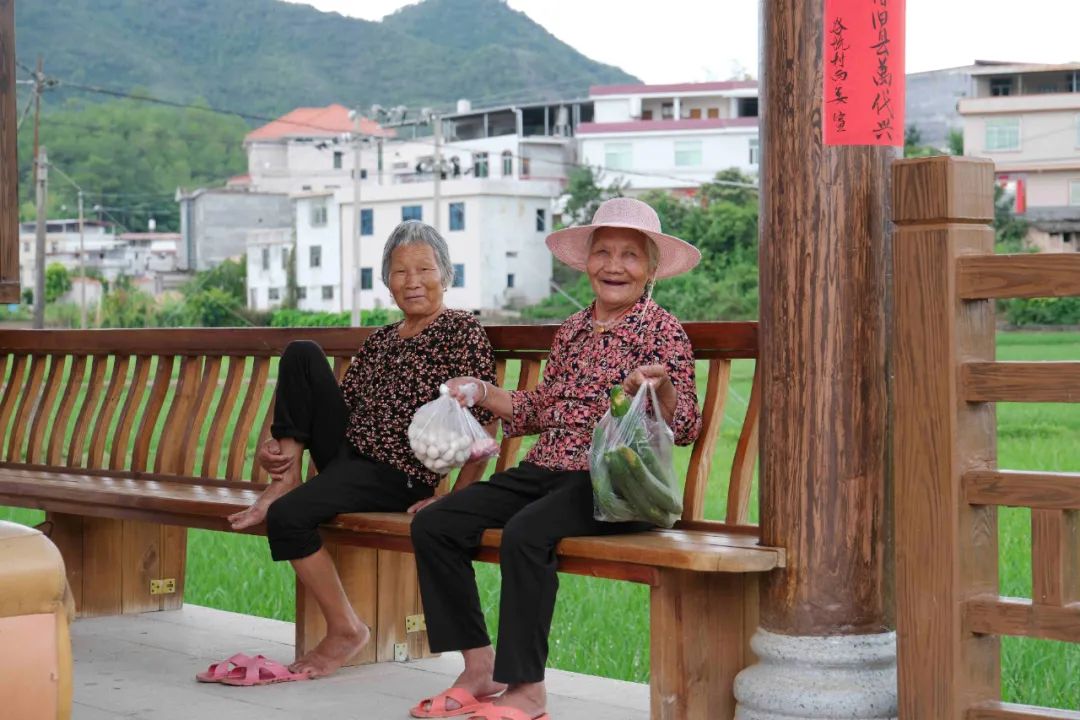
840	677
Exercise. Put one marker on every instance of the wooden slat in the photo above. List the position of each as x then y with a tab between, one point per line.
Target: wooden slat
193	430
43	422
697	476
397	599
1025	275
170	450
103	577
219	426
248	410
84	421
12	389
1011	711
1021	381
258	474
103	422
528	378
76	375
159	390
27	399
1051	491
1019	617
118	455
710	340
1055	557
140	563
341	365
746	452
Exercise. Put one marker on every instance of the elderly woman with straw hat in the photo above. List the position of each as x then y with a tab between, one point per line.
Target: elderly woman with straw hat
625	338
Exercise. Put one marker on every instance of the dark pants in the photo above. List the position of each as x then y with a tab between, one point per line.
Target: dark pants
309	408
536	509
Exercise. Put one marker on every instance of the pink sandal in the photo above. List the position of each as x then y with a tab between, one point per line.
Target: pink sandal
261	671
436	706
489	711
217	671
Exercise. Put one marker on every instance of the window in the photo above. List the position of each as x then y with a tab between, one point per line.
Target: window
459	275
412	212
318	214
367	221
618	155
365	278
266	258
748	107
646	114
1003	133
526	167
687	153
1074	192
507	163
338	155
274	294
511	253
667	111
510	280
252	297
541	220
1000	86
1078	131
315	256
695	113
26	247
480	165
284	258
301	293
713	113
457	216
327	292
755	151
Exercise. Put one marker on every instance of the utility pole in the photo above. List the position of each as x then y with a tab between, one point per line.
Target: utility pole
436	123
82	267
357	273
41	194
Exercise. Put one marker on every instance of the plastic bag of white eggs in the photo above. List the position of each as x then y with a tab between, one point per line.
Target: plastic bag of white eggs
443	435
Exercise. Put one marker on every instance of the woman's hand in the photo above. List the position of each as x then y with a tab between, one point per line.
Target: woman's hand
418	506
657	376
272	459
468	391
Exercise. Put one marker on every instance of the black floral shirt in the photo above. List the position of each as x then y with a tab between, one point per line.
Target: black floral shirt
390	377
583	366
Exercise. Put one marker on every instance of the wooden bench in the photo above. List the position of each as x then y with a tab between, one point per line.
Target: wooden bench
129	437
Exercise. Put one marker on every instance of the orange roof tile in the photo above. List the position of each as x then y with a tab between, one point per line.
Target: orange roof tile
315	122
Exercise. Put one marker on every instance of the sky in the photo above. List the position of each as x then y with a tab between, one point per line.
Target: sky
700	40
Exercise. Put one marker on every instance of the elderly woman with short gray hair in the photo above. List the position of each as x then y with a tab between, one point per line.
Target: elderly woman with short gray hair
356	432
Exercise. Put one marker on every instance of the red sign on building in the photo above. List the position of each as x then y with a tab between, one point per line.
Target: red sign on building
863	101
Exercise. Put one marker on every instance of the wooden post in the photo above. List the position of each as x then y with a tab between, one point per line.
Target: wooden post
824	374
946	550
9	166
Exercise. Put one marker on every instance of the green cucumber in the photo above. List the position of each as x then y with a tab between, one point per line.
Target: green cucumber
626	484
620	401
655	489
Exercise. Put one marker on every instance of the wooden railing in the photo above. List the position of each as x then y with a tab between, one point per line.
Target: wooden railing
947	484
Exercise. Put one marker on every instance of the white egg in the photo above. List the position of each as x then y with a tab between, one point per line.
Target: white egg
461	456
448	456
433	451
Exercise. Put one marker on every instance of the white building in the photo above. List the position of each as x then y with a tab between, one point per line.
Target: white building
267	267
1026	118
671	137
101	251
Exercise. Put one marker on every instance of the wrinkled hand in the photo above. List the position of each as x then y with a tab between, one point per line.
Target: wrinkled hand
418	506
657	376
466	390
271	459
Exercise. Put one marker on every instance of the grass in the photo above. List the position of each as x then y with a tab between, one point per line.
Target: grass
601	627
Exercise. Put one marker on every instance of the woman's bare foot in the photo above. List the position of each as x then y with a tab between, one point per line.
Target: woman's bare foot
529	698
336	649
256	513
477	676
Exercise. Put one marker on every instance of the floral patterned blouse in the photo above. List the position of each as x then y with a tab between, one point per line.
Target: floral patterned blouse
583	366
390	377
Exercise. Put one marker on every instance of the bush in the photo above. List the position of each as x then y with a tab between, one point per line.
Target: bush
1041	311
285	317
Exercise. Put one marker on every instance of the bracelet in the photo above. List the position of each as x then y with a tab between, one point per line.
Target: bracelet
484	399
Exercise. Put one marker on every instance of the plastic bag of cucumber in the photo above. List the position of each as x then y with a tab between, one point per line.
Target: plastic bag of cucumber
633	473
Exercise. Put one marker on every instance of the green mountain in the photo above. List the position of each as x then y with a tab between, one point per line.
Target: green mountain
267	57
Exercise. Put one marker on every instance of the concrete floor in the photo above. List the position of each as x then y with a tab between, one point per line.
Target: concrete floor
143	666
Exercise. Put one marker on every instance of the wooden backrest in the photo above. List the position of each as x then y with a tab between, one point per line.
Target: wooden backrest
196	402
947	482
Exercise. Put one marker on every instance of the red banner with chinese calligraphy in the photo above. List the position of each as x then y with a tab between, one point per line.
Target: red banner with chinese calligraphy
863	101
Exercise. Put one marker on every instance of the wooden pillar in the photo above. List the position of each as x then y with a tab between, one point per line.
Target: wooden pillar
824	299
946	549
9	166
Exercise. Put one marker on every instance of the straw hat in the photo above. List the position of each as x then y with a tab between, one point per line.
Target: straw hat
572	244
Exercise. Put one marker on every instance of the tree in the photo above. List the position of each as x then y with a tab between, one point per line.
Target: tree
1009	230
57	282
956	142
913	146
731	185
213	307
584	195
230	277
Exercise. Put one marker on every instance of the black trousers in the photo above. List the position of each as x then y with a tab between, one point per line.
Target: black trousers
310	408
536	508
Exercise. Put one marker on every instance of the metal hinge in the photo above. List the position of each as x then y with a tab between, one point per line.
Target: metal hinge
415	623
164	586
401	652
